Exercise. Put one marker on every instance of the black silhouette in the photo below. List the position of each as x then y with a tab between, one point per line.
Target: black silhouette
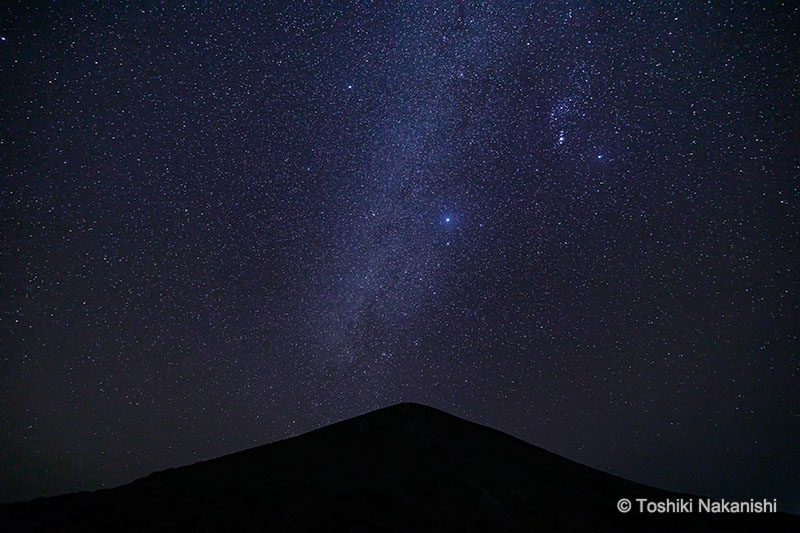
402	468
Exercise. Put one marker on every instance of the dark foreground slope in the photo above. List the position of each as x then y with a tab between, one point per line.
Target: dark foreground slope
403	468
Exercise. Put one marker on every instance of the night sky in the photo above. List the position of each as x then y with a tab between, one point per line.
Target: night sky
225	225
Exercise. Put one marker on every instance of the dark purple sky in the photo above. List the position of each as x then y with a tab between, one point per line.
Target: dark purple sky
576	223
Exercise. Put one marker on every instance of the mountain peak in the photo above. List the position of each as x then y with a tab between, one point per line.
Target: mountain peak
404	467
409	406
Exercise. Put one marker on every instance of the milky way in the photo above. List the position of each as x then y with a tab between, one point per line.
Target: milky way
576	223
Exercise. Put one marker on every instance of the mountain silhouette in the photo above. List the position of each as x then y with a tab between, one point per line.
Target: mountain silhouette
402	468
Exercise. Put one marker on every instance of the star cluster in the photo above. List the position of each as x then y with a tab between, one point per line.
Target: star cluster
225	224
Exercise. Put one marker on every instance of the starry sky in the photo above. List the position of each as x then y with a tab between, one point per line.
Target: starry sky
229	223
